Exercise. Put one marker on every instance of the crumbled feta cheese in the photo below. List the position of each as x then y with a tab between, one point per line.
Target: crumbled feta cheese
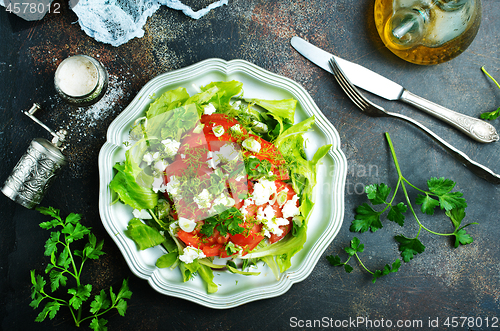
271	223
247	203
149	157
203	199
159	185
259	127
173	187
228	153
218	130
240	177
187	224
171	146
209	109
263	190
290	208
251	144
161	165
183	156
190	254
236	129
142	214
224	200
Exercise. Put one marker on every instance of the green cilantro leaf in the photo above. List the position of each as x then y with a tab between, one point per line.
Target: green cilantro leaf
451	200
334	260
73	218
121	306
462	237
409	247
396	213
80	294
440	186
491	115
387	270
98	324
366	219
93	250
428	203
51	243
209	225
75	232
50	309
49	211
377	193
356	247
124	292
100	302
57	278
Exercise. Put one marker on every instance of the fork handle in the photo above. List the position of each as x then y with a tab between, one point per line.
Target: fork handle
477	168
473	127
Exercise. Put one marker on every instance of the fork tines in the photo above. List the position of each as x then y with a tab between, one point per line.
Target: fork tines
348	87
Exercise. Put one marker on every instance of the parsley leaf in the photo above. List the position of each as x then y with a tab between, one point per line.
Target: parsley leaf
377	194
409	247
428	203
396	213
64	265
366	219
387	270
353	250
440	193
226	222
461	236
491	115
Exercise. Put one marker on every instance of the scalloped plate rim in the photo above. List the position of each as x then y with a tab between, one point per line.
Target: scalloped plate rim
136	107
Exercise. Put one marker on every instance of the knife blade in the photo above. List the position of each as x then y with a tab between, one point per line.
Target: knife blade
379	85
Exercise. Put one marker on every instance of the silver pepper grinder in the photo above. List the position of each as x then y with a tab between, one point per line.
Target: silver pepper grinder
37	168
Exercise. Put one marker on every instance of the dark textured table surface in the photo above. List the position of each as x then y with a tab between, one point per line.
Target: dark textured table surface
443	282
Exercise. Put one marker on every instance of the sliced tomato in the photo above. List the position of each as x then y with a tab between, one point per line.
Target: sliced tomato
249	238
285	228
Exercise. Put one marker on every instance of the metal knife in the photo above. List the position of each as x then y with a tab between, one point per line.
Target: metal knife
372	82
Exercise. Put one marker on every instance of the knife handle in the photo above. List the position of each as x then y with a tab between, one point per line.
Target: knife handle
473	127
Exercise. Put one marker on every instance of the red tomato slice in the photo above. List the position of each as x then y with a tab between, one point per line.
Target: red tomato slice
251	239
285	228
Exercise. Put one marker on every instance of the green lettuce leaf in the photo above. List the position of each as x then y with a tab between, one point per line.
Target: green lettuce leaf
143	235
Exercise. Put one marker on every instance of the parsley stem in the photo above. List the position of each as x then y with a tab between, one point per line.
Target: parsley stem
401	179
360	262
487	74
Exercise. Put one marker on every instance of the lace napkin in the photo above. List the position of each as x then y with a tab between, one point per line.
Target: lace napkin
113	21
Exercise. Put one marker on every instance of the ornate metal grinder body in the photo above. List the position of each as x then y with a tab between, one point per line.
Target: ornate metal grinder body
37	168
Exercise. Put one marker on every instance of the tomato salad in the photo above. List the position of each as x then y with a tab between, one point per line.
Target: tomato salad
217	178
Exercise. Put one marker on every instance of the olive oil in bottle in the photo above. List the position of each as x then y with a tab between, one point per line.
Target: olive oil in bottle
427	31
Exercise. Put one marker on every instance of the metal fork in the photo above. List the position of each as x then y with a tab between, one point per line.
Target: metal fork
374	110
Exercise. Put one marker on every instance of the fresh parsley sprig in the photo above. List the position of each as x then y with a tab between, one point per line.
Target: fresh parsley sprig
438	194
353	250
63	265
490	115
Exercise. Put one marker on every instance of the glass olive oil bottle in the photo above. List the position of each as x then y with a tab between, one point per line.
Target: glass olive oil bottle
427	31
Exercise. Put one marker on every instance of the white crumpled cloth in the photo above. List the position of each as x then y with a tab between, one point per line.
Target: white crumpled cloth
117	21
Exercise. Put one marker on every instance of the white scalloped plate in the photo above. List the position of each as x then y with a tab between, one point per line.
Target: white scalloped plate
325	221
